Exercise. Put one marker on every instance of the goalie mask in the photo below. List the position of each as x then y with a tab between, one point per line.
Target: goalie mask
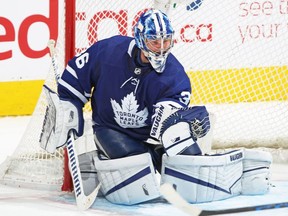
154	36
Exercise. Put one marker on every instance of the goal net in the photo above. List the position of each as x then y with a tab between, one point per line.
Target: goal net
235	53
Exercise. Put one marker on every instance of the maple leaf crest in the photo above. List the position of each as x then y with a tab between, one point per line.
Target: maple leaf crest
127	115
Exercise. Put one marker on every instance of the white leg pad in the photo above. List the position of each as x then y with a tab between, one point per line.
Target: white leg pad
256	172
204	178
88	172
128	180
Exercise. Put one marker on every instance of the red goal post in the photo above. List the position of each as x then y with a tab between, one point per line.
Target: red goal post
235	53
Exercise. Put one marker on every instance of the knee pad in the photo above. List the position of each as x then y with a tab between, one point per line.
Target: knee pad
128	180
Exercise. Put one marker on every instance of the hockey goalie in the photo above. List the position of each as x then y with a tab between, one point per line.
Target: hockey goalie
143	124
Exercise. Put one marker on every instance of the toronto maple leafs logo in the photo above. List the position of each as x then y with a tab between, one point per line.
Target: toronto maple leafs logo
127	115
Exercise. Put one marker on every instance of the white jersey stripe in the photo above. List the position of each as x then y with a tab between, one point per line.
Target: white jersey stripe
87	94
71	71
73	90
131	46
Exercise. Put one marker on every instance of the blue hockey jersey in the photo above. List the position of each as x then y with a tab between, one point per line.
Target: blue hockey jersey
123	90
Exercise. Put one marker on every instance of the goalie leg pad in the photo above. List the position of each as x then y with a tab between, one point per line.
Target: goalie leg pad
256	173
88	172
128	180
204	178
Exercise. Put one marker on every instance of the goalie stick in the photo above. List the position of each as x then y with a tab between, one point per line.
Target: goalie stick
83	201
174	198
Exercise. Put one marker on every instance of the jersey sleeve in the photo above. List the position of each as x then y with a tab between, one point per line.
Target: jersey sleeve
79	76
179	93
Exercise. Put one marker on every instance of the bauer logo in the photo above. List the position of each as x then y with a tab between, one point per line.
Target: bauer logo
236	156
146	192
71	116
177	139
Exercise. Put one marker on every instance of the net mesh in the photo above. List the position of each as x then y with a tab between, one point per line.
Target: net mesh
236	58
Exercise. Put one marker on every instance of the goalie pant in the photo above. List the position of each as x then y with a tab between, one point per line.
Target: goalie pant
196	178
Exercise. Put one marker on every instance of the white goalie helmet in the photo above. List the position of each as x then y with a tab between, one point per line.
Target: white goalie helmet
154	36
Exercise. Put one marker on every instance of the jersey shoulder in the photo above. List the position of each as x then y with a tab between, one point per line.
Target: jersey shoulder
174	76
173	64
112	49
174	70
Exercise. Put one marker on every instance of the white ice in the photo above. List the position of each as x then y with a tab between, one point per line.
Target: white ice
15	201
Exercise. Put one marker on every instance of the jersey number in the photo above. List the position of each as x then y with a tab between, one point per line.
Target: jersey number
185	97
82	60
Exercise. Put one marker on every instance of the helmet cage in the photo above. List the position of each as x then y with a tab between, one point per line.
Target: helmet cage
155	43
157	48
158	45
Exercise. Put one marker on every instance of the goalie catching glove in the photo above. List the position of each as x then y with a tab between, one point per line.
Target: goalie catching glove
181	129
61	117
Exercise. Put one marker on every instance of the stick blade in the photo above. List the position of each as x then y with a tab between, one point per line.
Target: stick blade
85	202
175	199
